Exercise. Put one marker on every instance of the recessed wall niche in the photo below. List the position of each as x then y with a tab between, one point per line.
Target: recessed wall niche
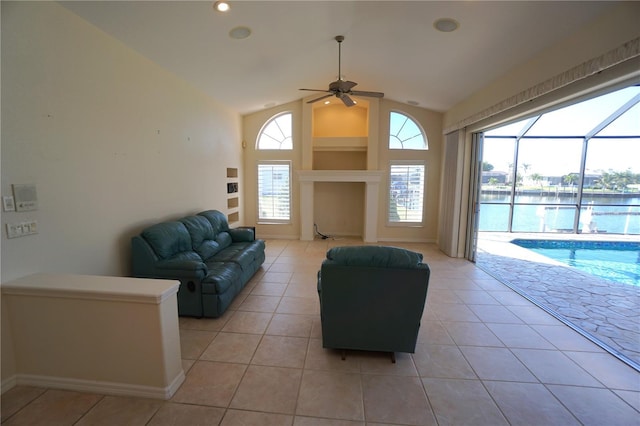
233	200
342	160
340	137
331	121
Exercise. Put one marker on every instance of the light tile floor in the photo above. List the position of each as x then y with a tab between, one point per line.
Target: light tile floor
485	356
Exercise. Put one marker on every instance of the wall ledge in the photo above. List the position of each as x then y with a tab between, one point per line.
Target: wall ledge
370	176
93	386
89	287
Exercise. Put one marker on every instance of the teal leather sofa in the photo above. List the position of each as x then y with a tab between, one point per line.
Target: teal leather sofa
372	298
212	262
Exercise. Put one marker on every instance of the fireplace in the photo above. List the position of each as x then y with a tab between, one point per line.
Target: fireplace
371	179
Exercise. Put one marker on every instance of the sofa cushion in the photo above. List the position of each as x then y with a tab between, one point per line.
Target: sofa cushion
241	253
224	239
199	228
374	256
217	219
168	239
202	236
221	276
208	249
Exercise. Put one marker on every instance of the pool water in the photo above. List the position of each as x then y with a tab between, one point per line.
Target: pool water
613	261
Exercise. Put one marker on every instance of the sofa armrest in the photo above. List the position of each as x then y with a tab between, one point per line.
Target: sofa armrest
181	269
182	265
242	235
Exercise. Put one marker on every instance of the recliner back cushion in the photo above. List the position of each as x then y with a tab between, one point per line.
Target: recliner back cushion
217	219
199	228
203	236
168	238
224	239
374	256
208	249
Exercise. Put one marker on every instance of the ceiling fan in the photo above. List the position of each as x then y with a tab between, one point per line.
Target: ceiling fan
340	88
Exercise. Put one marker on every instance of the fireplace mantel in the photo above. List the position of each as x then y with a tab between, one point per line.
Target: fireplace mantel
371	178
367	176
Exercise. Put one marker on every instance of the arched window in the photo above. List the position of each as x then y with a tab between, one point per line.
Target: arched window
405	133
276	133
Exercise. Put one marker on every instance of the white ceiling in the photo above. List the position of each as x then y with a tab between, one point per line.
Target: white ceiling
390	46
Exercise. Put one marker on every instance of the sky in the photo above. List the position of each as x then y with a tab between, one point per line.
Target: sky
556	157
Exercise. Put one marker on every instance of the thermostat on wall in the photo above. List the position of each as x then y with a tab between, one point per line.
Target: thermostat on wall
26	198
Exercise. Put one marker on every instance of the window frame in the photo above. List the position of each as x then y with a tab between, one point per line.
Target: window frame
270	220
416	123
402	223
266	124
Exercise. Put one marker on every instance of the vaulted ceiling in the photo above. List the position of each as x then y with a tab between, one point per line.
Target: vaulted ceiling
390	46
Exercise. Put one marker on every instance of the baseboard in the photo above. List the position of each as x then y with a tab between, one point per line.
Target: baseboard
407	240
262	236
8	384
93	386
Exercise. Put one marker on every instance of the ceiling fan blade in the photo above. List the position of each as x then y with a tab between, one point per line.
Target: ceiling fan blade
320	98
316	90
347	100
369	94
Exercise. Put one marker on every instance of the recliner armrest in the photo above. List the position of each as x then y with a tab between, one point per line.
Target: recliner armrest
242	235
181	269
182	265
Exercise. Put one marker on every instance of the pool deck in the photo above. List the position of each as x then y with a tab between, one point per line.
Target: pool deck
605	311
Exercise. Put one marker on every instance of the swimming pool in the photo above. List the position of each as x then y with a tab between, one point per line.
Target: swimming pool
617	261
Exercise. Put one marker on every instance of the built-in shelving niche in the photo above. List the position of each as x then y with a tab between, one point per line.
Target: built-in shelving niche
340	141
233	199
340	137
232	203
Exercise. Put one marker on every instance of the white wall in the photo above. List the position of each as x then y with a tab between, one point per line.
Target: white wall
431	123
112	141
252	124
607	32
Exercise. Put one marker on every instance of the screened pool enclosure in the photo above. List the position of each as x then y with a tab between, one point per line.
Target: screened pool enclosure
572	170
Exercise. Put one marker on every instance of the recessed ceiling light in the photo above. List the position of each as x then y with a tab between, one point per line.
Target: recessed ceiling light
446	25
240	33
221	6
327	102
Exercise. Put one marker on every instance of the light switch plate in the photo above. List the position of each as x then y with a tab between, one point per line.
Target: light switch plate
21	229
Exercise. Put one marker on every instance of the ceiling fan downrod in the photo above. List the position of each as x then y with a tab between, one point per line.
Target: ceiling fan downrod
339	39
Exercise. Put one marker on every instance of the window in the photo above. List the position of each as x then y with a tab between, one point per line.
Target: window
406	192
274	191
405	133
276	133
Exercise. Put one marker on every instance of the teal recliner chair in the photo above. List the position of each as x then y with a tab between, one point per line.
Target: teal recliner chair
372	298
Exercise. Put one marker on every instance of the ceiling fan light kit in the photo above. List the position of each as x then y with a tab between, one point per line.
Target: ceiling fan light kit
340	88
